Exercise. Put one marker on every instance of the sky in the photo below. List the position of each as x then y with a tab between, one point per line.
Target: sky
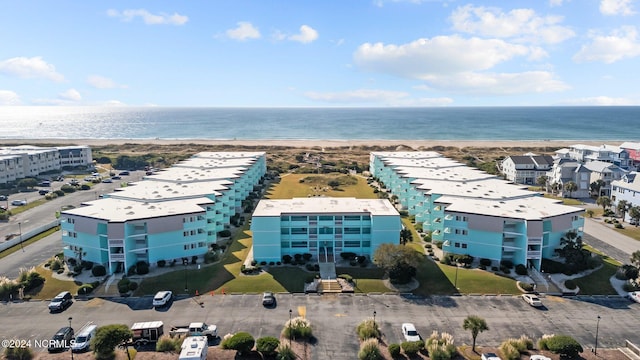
320	53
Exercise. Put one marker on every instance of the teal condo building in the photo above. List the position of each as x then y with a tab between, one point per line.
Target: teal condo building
475	213
172	214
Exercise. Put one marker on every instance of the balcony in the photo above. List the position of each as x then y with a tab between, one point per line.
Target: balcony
116	257
534	254
535	241
116	243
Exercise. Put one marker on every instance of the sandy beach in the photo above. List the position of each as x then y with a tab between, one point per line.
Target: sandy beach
414	144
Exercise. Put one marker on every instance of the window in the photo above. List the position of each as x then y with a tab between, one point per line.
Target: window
325	218
339	230
313	218
185	233
313	230
464	246
366	217
352	230
201	244
457	245
326	230
193	246
285	218
352	244
313	244
352	218
366	230
298	231
299	244
285	244
366	244
284	231
338	218
298	218
186	246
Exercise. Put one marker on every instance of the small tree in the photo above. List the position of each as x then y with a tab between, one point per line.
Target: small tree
603	201
397	261
405	236
542	181
242	342
369	350
18	353
634	213
622	208
570	187
107	338
476	325
368	329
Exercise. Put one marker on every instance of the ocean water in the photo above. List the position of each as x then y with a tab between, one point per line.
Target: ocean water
455	123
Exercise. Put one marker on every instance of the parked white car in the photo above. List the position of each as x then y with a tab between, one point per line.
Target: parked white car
634	296
532	300
539	357
410	333
19	202
490	356
162	298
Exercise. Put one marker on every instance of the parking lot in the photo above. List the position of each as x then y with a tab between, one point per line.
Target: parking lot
334	317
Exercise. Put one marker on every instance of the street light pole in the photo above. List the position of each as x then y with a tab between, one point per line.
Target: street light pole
70	318
595	350
290	335
20	227
185	262
456	280
374	318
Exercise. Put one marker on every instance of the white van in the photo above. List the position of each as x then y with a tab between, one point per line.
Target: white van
194	348
83	338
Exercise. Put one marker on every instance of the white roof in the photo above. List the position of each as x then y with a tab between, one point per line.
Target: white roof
530	208
116	210
147	325
492	188
186	175
630	145
324	205
160	191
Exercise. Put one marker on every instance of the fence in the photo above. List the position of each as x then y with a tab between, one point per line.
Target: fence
28	234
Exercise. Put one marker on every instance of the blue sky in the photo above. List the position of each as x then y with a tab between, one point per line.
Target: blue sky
277	53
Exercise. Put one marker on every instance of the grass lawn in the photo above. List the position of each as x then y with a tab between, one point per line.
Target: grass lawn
290	186
565	201
367	279
52	286
597	283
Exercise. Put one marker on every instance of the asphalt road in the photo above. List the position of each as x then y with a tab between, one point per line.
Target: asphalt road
334	317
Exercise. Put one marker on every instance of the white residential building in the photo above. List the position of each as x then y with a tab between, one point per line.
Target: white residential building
19	162
628	189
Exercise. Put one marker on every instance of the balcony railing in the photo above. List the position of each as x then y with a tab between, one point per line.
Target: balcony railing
116	257
116	242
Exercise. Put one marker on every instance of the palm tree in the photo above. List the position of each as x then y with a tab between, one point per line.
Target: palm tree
623	206
477	325
604	201
405	236
571	187
635	258
596	186
634	213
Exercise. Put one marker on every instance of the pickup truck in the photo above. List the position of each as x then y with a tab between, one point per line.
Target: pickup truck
195	329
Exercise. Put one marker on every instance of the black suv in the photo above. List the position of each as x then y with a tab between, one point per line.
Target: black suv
61	301
61	340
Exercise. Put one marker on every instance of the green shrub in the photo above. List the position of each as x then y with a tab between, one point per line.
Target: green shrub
55	264
485	262
564	345
411	348
169	344
123	285
241	341
285	353
133	286
224	233
438	244
286	259
526	342
521	269
394	350
509	352
368	329
18	353
267	345
369	350
85	289
142	268
99	270
162	263
441	346
297	328
570	284
526	286
507	263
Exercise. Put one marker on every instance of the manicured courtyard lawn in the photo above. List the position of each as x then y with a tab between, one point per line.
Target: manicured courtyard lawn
366	279
309	185
52	286
598	282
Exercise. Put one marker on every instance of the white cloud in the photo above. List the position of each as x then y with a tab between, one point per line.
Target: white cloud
438	55
307	34
101	82
380	3
244	31
8	97
70	95
149	18
519	24
28	68
599	100
497	83
620	44
616	7
554	3
373	96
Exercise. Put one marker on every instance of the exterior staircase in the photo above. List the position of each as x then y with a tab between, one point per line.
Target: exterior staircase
329	286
